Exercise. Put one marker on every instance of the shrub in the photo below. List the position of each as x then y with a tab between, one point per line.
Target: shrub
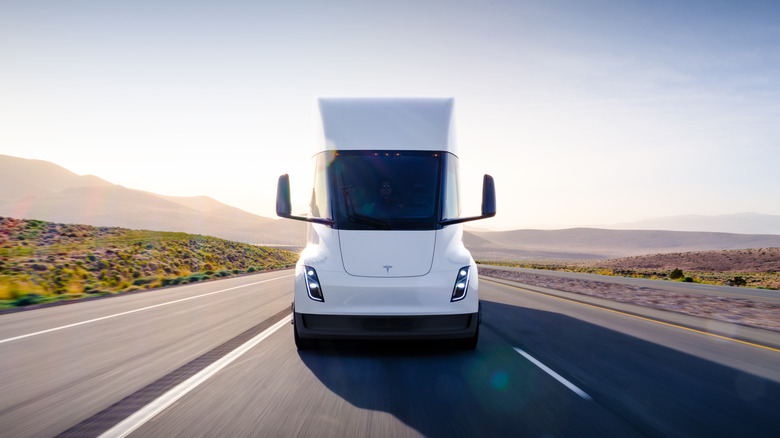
676	274
174	281
738	281
144	280
29	299
195	277
688	279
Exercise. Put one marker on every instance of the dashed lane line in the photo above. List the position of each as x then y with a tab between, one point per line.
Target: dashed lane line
555	375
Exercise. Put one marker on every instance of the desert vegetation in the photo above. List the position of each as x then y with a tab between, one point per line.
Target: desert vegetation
757	267
44	261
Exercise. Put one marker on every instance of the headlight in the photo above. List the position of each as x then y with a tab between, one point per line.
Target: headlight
461	284
313	287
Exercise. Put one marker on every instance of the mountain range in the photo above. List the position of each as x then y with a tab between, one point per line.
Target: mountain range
595	243
740	223
36	189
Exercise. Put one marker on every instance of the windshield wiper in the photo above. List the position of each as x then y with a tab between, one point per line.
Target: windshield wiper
359	218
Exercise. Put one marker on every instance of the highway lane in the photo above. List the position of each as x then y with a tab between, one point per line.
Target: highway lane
54	379
642	378
762	295
368	389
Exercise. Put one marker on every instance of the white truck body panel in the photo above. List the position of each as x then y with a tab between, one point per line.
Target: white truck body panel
388	124
391	256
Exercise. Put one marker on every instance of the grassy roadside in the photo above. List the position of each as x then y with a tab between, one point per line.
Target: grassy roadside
761	280
45	262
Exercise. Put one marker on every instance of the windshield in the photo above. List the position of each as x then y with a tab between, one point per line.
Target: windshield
385	189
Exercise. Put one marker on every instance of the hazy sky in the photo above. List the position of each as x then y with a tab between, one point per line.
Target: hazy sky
585	112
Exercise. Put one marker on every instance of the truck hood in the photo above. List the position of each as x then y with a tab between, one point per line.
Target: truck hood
387	253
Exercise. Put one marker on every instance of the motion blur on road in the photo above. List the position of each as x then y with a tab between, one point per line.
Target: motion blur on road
544	366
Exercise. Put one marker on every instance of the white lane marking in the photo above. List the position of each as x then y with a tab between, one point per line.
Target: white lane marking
555	375
133	422
133	311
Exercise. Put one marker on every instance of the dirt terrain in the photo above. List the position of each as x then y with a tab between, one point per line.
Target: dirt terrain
766	260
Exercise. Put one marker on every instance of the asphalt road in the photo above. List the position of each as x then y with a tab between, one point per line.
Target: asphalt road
544	367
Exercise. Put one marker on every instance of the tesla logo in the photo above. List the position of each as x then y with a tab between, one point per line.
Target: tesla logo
387	268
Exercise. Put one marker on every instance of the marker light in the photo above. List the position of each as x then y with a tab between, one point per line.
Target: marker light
312	284
461	284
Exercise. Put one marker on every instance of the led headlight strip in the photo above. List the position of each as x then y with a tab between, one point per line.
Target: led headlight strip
313	287
461	284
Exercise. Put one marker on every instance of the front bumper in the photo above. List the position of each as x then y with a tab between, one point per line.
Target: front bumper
457	326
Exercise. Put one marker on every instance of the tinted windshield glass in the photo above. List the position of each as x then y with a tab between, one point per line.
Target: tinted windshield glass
385	189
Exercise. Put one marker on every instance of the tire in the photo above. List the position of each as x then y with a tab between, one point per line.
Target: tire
302	343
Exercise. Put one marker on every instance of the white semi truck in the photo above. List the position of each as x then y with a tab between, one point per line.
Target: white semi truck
384	257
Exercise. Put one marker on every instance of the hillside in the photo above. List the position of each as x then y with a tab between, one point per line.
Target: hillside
744	267
765	260
43	261
22	179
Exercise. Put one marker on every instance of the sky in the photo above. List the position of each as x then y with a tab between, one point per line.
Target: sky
585	113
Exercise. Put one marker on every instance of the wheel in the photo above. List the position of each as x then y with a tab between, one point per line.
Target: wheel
302	343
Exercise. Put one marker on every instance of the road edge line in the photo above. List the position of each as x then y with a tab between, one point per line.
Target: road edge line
89	321
752	344
140	417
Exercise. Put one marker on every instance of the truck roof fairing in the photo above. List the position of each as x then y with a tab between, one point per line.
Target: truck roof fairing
423	124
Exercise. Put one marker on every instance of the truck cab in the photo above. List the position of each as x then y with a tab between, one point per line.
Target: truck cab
384	257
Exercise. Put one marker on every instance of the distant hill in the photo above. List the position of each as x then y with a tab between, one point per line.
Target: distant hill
594	243
22	179
36	189
740	223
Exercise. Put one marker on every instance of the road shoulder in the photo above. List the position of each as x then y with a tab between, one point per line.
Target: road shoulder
763	337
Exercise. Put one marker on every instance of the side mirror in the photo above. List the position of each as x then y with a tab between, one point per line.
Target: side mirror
488	203
488	197
284	206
